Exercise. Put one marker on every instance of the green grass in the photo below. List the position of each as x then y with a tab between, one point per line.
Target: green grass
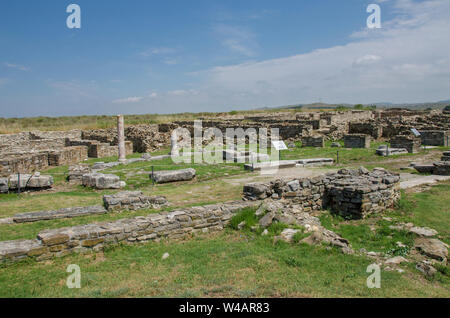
430	209
227	265
245	264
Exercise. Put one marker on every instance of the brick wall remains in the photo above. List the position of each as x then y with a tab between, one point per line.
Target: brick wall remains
357	141
410	143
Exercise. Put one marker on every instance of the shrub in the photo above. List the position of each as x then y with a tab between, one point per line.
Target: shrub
247	215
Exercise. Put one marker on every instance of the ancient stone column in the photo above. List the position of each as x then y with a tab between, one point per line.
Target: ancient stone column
121	138
173	144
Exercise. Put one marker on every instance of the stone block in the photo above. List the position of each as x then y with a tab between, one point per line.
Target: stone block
357	141
4	185
410	143
132	200
76	172
313	141
173	175
28	181
58	214
102	181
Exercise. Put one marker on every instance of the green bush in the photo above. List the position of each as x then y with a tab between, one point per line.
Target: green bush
247	215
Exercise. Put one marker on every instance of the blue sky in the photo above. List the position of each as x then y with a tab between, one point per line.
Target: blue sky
142	56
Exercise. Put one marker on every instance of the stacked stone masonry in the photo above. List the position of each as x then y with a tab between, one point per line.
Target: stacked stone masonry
154	227
351	193
29	151
435	137
408	142
357	141
313	141
132	200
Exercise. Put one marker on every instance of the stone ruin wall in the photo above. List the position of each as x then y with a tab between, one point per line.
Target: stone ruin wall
357	141
368	128
353	194
410	143
28	152
154	227
435	137
313	141
20	150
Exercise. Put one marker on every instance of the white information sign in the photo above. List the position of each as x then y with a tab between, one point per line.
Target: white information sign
415	132
279	145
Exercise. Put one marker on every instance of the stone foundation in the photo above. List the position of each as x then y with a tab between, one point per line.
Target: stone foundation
95	236
30	182
351	193
357	141
132	200
410	143
442	168
102	181
173	175
23	163
445	156
76	172
67	156
58	214
103	150
372	129
313	141
435	137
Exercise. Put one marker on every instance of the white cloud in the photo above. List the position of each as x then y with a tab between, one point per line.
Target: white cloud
367	60
237	39
17	66
133	99
407	61
170	61
158	51
182	92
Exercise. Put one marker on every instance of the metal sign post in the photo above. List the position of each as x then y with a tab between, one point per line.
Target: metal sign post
153	178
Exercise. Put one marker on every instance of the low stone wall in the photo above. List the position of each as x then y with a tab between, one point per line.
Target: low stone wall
30	182
4	185
410	143
58	214
25	163
367	128
132	200
351	193
435	137
166	176
313	141
442	168
154	227
67	156
76	172
102	181
357	141
445	156
102	150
